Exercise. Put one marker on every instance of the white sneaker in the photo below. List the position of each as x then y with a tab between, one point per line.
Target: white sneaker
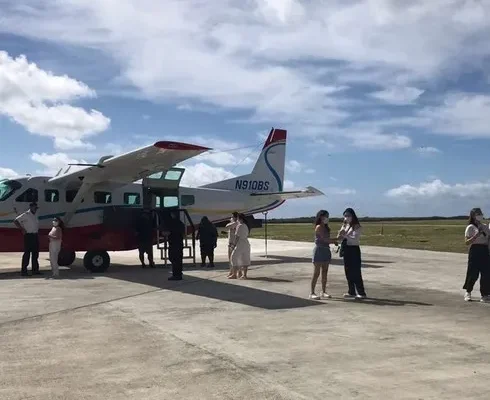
361	297
467	296
325	295
349	296
313	296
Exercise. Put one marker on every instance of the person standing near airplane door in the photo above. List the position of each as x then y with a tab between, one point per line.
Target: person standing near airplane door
144	231
176	232
28	223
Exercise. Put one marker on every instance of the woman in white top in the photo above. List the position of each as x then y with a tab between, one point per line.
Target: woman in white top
231	228
477	237
240	256
55	238
350	235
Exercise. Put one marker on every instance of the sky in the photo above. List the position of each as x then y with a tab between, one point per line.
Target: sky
386	102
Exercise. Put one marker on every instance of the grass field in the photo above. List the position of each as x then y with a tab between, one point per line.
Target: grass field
443	235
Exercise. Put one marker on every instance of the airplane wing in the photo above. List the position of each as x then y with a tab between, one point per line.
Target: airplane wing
310	191
132	166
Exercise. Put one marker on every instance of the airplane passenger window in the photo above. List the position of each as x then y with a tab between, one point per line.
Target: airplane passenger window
170	201
8	188
29	196
187	200
51	196
132	198
102	198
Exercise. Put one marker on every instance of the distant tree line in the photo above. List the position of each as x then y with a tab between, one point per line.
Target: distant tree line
302	220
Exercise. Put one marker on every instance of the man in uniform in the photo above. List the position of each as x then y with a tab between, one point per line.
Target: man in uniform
144	231
28	223
176	232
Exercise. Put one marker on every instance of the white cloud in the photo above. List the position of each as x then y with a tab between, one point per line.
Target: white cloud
264	56
53	162
426	151
461	114
7	173
340	191
378	141
398	95
294	166
310	171
202	174
34	99
289	185
437	188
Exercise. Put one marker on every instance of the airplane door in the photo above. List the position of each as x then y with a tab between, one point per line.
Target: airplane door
161	190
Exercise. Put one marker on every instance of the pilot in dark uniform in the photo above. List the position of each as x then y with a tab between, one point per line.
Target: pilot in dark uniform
144	230
176	233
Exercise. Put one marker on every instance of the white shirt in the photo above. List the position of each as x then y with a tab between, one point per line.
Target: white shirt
472	230
28	221
353	236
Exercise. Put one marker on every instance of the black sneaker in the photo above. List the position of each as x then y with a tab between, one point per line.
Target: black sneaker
175	278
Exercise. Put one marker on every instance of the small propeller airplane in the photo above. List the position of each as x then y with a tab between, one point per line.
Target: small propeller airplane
87	198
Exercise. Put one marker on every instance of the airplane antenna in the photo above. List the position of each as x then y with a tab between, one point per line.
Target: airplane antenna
265	228
244	158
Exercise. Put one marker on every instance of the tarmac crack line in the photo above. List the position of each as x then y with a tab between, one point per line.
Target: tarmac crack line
224	358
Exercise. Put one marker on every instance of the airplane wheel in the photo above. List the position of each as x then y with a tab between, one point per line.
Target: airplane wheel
96	261
66	258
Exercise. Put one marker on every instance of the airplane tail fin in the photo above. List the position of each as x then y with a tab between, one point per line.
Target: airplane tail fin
267	175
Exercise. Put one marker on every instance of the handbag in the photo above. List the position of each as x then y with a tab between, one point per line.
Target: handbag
342	246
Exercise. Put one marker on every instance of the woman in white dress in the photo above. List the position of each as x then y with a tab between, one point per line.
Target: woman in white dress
240	256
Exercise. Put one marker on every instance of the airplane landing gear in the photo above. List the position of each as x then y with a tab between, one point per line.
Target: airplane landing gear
96	260
66	258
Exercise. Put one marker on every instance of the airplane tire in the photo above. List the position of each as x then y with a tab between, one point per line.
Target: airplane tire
96	260
66	258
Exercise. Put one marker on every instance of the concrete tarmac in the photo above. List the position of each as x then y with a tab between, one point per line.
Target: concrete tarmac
131	334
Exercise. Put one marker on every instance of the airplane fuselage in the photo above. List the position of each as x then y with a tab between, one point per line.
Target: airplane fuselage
86	229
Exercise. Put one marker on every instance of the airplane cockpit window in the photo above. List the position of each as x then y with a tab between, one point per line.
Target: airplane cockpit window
132	199
51	196
8	187
102	198
173	175
29	196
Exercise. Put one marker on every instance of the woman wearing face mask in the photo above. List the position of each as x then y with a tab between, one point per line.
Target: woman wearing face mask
321	254
477	237
350	233
55	238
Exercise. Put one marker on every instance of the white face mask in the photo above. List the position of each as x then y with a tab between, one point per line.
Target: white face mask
348	220
479	218
325	220
55	223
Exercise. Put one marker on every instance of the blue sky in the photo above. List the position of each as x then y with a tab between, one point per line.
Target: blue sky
386	103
